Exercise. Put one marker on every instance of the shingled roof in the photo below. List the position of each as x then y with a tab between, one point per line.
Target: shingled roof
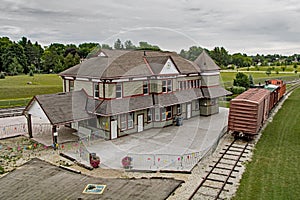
129	64
214	92
174	98
206	63
61	108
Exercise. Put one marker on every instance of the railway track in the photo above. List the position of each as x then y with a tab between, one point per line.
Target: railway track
11	112
223	171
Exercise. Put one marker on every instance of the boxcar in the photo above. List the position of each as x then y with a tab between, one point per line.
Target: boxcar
281	84
248	112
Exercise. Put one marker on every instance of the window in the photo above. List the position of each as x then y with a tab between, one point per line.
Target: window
179	109
164	86
96	89
149	114
167	86
123	121
145	87
126	121
169	112
180	85
163	114
197	83
71	85
197	105
119	90
130	120
157	114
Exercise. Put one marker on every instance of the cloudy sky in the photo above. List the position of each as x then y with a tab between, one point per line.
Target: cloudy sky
257	26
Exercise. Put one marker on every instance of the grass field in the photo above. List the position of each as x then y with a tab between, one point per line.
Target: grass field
273	172
15	90
289	68
259	77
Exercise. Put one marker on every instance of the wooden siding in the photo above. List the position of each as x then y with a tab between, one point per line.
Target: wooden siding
101	94
87	86
110	90
210	80
132	88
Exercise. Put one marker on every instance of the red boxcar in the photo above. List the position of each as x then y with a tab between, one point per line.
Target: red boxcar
248	112
281	84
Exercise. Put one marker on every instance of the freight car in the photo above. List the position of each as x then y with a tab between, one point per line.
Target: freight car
249	111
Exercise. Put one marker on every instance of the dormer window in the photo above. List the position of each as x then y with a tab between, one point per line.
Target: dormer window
119	90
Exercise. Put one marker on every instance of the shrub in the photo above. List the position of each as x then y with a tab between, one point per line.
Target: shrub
1	170
237	90
31	73
2	76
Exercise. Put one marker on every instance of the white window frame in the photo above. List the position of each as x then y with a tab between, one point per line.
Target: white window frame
169	112
130	117
96	90
123	121
164	86
157	114
179	110
149	114
119	91
169	85
163	114
145	87
71	86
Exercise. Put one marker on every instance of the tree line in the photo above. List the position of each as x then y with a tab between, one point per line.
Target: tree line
23	56
226	60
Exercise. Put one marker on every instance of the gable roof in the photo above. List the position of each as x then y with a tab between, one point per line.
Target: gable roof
214	92
206	63
61	108
129	64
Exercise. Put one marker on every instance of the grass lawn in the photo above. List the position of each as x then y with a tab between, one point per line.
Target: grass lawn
289	68
227	77
273	172
16	88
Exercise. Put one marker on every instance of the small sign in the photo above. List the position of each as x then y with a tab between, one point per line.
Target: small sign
94	189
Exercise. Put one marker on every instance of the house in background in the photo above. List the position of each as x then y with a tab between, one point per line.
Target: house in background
121	92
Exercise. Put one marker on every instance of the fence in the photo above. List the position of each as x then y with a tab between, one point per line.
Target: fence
7	131
184	162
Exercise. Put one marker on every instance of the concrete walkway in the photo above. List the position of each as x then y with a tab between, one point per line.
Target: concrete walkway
196	135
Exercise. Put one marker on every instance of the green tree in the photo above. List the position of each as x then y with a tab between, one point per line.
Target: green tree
269	71
4	43
241	80
241	60
192	53
14	53
220	56
106	46
146	46
129	45
251	82
85	48
118	44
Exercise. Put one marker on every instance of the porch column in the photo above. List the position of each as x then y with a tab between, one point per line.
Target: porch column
29	124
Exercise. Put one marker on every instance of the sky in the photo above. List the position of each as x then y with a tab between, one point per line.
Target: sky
251	27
